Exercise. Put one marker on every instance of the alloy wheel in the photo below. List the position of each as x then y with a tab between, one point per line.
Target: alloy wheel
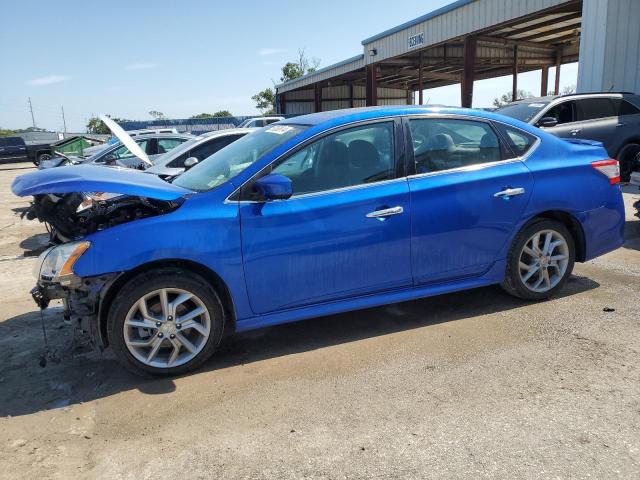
543	260
167	328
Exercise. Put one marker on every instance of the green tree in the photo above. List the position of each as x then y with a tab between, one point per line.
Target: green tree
95	125
266	99
5	132
507	98
219	113
157	115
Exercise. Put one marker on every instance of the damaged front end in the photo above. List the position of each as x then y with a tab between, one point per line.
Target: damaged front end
73	216
81	297
65	199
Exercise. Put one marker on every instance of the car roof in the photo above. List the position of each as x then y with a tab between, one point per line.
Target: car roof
349	115
551	98
187	136
225	131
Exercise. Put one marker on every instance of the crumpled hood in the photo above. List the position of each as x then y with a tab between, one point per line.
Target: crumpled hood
92	178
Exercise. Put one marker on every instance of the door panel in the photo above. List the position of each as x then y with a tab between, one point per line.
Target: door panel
467	196
316	248
458	225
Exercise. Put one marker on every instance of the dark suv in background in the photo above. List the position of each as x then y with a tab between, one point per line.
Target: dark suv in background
610	118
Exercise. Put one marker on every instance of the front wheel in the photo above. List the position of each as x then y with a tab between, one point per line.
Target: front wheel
165	322
540	260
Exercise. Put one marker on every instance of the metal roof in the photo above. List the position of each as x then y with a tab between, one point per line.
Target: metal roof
416	21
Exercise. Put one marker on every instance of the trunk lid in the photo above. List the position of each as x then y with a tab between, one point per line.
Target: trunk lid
92	178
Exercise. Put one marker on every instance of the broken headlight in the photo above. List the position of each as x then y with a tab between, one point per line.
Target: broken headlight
90	199
56	264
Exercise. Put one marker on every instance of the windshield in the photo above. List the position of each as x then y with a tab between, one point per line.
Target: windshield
233	159
522	111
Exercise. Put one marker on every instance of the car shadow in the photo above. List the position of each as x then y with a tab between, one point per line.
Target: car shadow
72	376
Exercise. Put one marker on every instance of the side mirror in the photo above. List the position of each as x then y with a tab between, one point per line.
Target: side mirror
190	162
274	187
547	122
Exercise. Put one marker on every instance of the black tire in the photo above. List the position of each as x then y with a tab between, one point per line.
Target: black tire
150	281
629	161
42	157
513	283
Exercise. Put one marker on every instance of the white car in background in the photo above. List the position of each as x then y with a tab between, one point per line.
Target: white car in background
87	152
259	122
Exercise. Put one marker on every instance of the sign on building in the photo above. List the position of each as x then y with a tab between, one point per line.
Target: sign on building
416	40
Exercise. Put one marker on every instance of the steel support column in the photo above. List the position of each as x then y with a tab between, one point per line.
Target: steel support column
351	95
317	97
282	104
371	86
544	82
558	64
467	74
514	87
420	83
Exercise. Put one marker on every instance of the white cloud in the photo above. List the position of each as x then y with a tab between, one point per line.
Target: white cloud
141	66
48	80
269	51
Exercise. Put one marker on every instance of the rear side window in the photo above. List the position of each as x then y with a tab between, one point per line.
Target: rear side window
205	150
167	144
622	107
3	142
520	142
443	144
594	108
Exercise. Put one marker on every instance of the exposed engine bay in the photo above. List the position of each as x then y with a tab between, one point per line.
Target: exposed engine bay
72	216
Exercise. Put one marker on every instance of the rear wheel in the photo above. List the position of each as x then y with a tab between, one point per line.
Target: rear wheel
44	156
629	159
540	260
165	322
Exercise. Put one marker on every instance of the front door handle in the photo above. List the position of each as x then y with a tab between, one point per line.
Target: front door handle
386	212
575	131
509	192
620	125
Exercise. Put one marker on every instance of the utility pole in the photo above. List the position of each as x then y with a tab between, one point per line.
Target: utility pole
33	120
64	122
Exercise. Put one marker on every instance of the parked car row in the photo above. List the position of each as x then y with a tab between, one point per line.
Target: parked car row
316	215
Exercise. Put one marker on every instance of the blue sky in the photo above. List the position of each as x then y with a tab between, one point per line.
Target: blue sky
126	58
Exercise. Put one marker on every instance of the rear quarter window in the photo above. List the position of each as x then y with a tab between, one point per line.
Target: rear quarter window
519	142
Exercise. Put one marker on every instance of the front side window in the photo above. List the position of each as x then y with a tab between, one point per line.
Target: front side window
564	112
442	144
235	158
354	156
14	142
167	144
594	108
522	111
123	152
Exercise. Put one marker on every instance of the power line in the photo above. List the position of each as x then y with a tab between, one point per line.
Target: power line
33	120
64	122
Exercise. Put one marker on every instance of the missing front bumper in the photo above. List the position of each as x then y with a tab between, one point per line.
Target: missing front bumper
82	301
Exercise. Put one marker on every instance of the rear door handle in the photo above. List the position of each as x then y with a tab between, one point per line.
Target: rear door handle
575	131
385	212
509	192
620	125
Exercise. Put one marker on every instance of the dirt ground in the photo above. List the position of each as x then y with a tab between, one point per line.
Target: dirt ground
468	385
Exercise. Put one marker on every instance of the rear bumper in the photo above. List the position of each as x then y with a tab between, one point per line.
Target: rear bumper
603	227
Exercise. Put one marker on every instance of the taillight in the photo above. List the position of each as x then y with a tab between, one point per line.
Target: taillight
609	168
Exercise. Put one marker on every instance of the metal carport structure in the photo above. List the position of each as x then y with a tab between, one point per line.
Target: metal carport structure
462	42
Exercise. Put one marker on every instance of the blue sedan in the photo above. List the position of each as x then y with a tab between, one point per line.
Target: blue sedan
316	215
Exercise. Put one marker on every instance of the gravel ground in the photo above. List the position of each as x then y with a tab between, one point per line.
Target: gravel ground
469	385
